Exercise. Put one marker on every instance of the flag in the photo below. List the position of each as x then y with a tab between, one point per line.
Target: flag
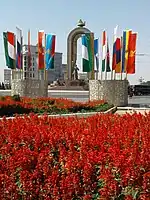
40	50
9	47
131	55
114	49
50	51
108	59
19	48
118	56
103	50
128	33
87	57
96	53
125	44
29	51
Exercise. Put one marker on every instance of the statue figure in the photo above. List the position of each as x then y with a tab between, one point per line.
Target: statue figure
75	72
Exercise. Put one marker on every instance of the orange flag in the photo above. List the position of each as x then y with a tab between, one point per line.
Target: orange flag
131	55
40	50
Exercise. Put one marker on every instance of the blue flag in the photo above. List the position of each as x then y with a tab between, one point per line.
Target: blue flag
96	53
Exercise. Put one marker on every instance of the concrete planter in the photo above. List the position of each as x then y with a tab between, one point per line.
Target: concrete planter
30	88
79	115
113	91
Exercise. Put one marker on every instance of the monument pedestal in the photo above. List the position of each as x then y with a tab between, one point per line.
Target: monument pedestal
29	88
113	91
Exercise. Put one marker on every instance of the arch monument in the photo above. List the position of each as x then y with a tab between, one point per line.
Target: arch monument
72	39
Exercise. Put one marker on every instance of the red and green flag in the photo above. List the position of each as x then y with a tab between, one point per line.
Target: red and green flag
103	51
9	47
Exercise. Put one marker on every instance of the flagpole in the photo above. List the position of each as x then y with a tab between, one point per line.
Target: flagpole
114	40
96	57
121	75
112	62
92	49
126	76
101	75
21	52
121	55
103	44
22	57
112	74
102	59
27	71
38	57
14	70
106	75
45	73
106	60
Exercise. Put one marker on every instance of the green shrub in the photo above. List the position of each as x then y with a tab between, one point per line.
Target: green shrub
16	97
2	98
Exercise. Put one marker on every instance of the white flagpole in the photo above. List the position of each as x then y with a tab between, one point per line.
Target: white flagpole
20	40
106	59
114	40
103	53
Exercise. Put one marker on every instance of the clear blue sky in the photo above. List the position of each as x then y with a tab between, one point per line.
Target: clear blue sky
60	16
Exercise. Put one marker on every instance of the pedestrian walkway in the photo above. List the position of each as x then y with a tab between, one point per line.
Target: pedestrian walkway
130	110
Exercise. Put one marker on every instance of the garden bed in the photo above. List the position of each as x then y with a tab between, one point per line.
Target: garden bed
9	106
100	157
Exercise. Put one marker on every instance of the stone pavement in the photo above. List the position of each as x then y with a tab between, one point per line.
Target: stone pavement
130	110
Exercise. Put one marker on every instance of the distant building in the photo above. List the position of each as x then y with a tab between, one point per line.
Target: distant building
52	74
56	73
64	71
34	73
7	76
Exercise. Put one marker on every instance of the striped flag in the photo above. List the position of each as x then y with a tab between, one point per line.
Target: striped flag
103	50
96	53
114	49
118	56
131	55
9	47
125	50
19	48
40	50
29	50
87	56
50	51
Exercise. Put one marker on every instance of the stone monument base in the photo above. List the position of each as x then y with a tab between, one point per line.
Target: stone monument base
113	91
72	85
29	88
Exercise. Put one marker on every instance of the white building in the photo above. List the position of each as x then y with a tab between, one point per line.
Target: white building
7	76
34	73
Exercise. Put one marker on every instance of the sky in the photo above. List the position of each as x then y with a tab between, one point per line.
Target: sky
61	16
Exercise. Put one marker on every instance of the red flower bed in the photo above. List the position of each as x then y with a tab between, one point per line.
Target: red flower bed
10	106
100	157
